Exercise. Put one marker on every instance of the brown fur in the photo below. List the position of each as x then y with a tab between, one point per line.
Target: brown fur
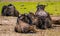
23	25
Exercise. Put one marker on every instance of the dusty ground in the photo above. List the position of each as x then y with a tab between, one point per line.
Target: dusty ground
7	25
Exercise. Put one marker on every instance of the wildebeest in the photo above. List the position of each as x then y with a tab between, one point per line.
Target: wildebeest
9	10
29	18
25	18
44	17
23	27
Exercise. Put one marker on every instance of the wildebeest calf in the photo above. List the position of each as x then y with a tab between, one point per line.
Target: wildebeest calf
23	27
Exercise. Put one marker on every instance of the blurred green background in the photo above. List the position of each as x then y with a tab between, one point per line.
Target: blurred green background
24	7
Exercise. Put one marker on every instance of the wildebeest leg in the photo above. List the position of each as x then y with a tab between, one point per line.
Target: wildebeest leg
48	23
43	24
33	29
29	18
17	29
17	21
49	16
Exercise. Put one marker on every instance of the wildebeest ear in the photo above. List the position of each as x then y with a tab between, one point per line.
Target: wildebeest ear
44	6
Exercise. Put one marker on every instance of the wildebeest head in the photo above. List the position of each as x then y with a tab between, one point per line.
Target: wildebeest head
40	7
10	5
24	18
10	10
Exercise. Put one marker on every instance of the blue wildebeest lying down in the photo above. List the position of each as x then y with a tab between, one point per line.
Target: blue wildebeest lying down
9	10
23	25
44	17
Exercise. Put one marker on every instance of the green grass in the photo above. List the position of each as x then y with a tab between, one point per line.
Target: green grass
53	7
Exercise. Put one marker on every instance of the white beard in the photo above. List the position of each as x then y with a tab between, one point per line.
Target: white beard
41	13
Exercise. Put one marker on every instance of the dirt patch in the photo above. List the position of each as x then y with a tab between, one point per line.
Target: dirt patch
7	25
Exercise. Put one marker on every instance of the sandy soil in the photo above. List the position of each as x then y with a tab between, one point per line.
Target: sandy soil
7	25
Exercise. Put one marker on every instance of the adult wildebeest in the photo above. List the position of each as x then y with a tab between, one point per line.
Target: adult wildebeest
9	10
23	27
44	17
